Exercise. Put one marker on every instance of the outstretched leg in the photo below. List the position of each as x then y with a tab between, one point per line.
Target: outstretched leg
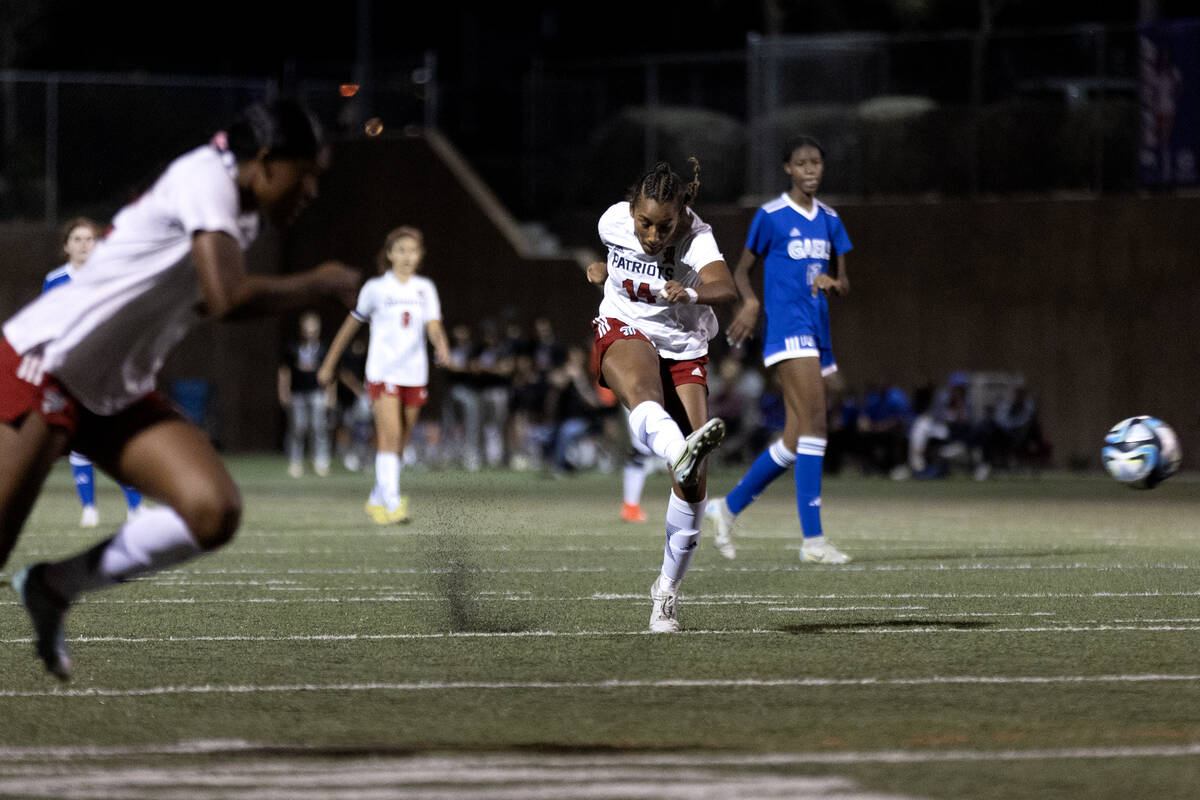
166	458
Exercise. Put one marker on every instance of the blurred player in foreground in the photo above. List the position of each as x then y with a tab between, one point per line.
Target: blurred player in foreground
797	236
78	367
79	239
405	316
663	273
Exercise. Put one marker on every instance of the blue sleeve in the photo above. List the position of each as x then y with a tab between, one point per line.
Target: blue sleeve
758	240
838	236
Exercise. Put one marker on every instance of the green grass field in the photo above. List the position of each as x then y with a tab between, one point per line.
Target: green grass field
1022	637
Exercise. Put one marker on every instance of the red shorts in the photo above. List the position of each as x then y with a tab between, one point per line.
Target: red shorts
411	396
678	372
25	390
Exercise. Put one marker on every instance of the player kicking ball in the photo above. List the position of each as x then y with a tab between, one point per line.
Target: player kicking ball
798	237
663	272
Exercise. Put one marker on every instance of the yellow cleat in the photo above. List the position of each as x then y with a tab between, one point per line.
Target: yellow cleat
378	513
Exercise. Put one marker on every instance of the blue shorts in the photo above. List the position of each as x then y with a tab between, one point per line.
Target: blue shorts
802	341
799	329
800	346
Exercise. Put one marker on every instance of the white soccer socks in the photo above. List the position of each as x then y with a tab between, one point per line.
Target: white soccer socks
683	533
387	479
152	540
652	426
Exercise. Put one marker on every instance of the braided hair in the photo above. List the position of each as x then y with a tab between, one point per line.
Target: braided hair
284	129
662	185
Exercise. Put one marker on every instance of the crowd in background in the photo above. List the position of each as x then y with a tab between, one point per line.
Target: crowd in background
528	399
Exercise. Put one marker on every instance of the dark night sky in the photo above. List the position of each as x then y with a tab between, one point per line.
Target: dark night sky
489	39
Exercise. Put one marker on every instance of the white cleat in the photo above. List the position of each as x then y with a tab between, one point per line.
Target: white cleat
717	512
46	612
664	614
90	517
822	553
696	446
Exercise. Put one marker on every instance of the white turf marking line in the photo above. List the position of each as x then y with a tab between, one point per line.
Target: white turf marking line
882	628
571	570
292	773
675	683
448	764
277	585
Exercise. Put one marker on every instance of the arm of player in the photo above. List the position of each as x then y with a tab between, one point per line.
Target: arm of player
597	272
839	285
441	343
340	342
742	326
351	381
230	292
284	385
716	287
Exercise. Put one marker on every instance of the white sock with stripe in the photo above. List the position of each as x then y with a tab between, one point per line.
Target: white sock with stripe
683	533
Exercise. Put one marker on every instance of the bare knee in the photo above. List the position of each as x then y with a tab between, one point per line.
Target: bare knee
212	516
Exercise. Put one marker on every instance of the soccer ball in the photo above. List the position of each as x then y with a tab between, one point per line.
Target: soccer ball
1141	452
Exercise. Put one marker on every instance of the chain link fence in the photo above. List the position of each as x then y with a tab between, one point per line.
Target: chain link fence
951	114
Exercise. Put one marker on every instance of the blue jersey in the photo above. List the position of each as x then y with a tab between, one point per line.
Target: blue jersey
796	246
58	277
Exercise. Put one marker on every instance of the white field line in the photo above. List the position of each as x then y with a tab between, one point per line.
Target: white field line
675	683
883	628
168	579
299	773
371	780
586	570
391	597
444	765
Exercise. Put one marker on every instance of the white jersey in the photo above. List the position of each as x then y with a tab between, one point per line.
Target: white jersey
678	330
106	334
398	312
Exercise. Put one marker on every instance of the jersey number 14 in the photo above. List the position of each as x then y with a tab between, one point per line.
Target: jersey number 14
640	293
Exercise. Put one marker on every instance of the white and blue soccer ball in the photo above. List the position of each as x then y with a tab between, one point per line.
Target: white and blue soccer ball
1141	452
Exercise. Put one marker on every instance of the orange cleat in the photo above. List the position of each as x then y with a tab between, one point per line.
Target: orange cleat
631	512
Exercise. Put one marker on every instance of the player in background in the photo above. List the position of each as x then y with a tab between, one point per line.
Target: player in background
405	315
308	405
663	272
78	367
635	470
79	239
798	237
